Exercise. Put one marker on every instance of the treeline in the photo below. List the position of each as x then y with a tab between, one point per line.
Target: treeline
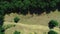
25	6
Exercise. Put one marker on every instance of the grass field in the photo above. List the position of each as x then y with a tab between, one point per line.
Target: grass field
29	24
43	19
27	29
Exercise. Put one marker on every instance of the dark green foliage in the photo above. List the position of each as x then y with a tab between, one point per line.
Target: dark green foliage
16	32
8	6
52	32
19	4
16	19
2	30
1	20
52	24
2	12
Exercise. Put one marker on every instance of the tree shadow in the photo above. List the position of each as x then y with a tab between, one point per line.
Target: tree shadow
38	11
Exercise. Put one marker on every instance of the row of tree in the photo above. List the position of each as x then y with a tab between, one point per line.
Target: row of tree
23	6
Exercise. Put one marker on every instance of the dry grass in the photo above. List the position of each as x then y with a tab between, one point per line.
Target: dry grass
27	29
43	19
29	24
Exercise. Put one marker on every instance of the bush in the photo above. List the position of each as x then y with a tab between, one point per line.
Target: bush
16	32
16	19
52	32
53	24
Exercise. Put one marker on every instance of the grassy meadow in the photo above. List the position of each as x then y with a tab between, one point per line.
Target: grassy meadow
29	24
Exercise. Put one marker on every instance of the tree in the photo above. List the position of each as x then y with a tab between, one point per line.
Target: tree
52	24
19	4
26	4
5	6
23	6
34	3
52	4
52	32
16	19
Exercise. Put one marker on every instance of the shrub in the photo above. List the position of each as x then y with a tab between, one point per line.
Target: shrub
52	32
16	32
16	19
53	24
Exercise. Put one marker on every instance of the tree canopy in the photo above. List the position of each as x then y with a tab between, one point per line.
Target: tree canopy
12	5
